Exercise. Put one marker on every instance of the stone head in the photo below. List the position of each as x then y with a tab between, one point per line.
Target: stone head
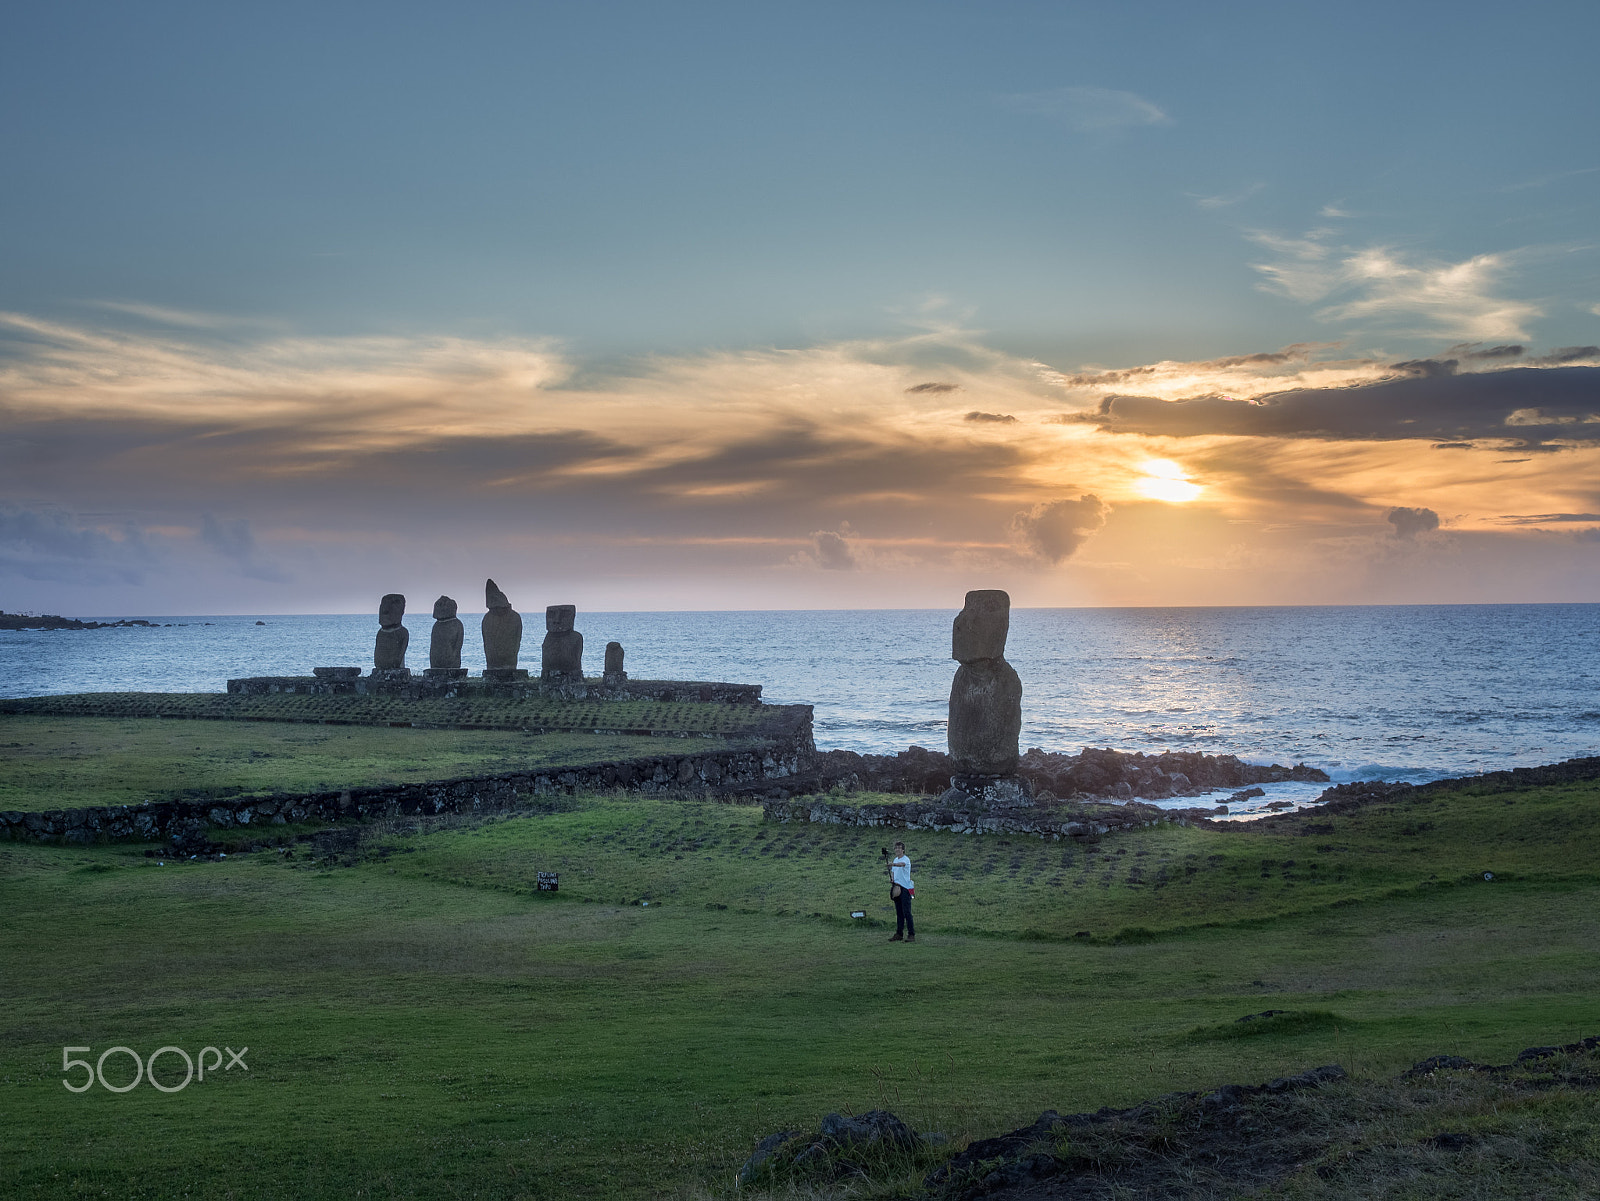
493	597
444	609
981	627
391	609
558	619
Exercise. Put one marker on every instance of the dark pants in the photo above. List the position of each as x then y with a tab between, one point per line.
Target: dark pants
902	915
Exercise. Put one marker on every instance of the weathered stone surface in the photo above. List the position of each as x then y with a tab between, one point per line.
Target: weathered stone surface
389	650
336	673
988	792
980	629
446	673
444	650
391	610
562	657
986	696
502	630
614	674
985	718
666	691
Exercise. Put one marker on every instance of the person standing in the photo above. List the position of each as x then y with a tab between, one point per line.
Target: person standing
901	890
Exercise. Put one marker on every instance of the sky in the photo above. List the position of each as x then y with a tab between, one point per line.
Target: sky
749	305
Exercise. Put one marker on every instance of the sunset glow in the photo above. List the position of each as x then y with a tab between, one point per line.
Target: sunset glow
893	313
1166	480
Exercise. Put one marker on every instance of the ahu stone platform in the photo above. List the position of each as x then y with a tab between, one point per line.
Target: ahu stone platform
339	681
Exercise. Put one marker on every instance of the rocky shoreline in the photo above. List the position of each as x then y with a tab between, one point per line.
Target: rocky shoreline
50	621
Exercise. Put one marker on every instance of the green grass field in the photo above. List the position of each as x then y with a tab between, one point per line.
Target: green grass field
426	1024
66	762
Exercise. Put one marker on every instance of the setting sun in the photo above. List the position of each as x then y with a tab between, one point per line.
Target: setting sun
1165	480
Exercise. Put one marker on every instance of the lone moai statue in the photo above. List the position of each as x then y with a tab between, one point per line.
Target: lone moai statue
986	698
444	651
563	645
389	653
502	631
614	673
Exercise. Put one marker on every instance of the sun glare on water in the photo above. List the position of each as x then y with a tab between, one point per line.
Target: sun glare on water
1165	480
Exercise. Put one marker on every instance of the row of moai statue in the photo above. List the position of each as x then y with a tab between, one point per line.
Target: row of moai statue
562	651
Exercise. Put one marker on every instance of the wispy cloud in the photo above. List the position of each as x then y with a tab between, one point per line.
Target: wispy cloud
1544	181
162	315
1090	109
1227	199
1379	285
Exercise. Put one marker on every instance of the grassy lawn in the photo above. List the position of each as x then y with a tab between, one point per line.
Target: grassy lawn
63	762
425	1024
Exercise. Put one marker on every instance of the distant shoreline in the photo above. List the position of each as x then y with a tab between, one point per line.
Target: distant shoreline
50	621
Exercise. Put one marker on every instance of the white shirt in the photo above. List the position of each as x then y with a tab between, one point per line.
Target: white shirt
900	872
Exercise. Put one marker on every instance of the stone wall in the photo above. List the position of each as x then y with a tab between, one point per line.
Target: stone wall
184	822
418	687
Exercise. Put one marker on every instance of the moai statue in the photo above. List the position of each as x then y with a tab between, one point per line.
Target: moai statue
986	698
389	653
444	651
502	633
563	645
614	673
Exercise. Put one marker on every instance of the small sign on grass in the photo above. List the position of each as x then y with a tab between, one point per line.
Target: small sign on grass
549	882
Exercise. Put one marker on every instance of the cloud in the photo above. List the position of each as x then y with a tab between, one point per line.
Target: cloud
1568	354
390	461
1541	181
932	388
1431	401
1378	285
991	418
234	540
162	315
1054	530
1477	351
1090	109
1240	376
1227	199
51	544
832	551
1549	518
1408	523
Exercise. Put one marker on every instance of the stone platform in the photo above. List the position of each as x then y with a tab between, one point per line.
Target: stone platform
348	682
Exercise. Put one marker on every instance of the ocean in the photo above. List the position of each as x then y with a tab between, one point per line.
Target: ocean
1414	692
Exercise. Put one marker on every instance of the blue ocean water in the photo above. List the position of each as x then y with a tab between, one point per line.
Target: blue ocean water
1391	692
